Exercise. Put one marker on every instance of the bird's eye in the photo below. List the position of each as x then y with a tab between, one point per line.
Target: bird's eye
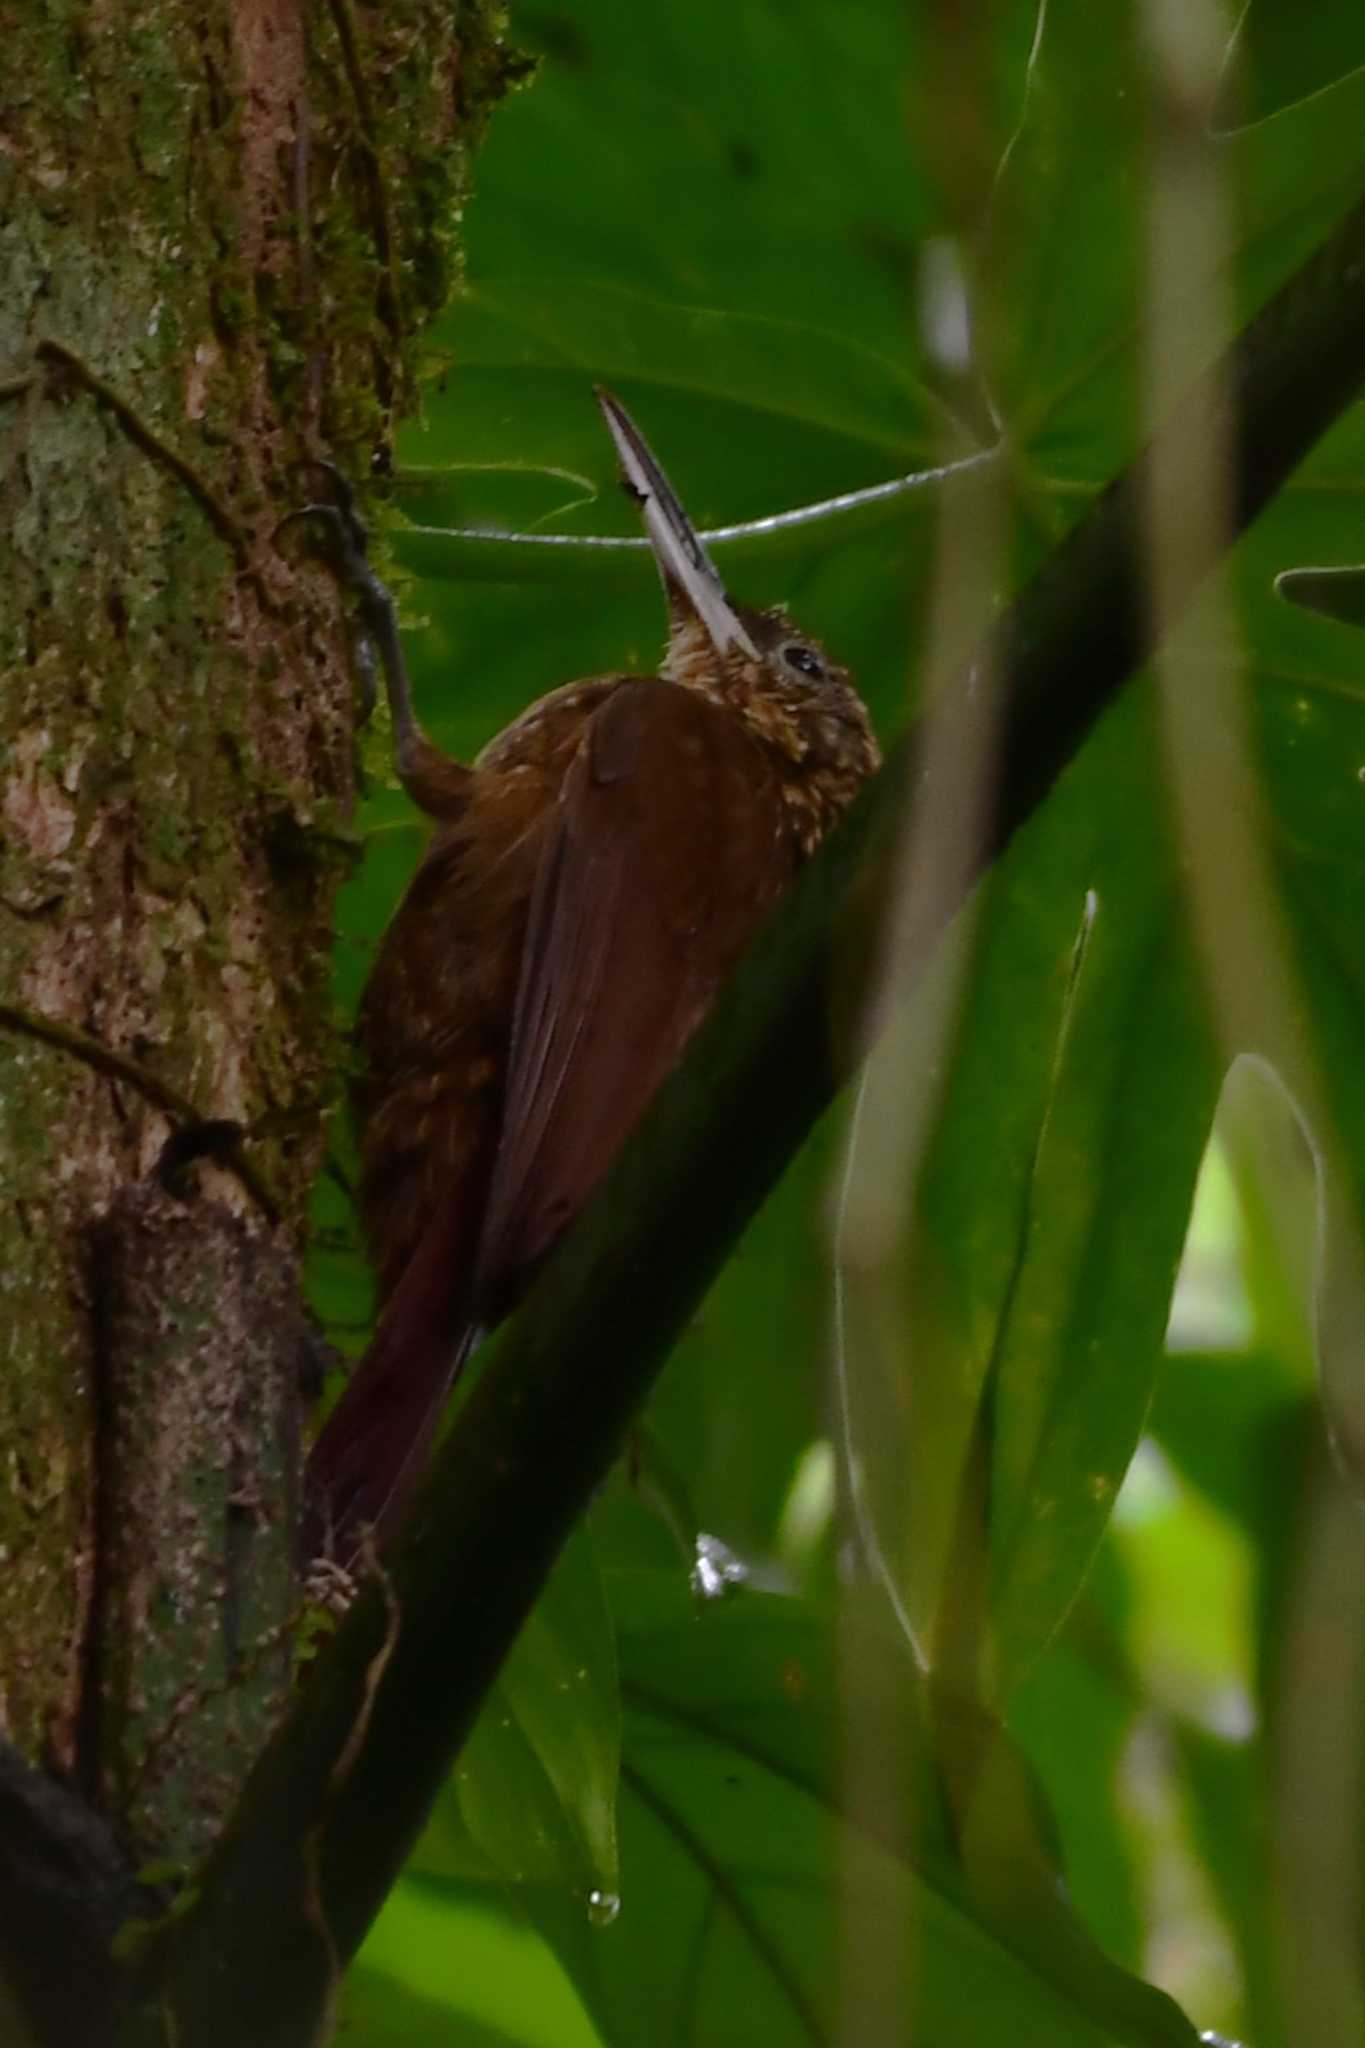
804	660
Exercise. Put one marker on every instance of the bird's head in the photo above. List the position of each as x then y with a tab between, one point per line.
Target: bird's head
778	678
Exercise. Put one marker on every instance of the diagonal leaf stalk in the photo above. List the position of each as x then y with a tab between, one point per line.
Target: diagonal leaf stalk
333	1806
450	552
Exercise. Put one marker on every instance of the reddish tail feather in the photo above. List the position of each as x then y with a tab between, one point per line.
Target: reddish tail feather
374	1442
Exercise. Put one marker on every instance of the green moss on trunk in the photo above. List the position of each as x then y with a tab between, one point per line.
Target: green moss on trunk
221	231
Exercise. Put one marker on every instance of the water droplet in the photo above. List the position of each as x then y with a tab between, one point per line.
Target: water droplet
603	1908
715	1568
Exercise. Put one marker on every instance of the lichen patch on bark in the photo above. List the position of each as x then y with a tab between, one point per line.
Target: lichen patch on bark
36	804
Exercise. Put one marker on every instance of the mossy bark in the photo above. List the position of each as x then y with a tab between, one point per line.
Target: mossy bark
222	227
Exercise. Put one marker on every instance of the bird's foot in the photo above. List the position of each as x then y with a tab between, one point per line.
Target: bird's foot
330	1586
348	555
339	518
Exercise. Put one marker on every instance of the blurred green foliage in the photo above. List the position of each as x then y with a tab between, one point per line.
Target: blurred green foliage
760	223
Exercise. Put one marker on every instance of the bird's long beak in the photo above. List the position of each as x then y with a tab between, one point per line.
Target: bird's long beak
686	568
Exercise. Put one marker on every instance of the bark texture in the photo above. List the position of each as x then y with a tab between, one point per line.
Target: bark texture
204	1361
222	227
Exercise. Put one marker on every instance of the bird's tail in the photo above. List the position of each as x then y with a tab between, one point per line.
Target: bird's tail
371	1449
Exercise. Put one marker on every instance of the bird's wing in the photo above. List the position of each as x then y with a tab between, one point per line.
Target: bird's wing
670	848
667	850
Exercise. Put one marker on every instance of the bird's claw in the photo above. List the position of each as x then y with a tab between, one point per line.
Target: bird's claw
349	557
342	521
329	1586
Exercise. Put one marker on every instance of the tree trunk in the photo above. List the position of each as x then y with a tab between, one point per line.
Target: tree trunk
221	229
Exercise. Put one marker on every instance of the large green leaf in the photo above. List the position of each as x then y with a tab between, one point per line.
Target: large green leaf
446	1965
743	1879
1065	266
1011	1381
533	1798
720	215
1283	52
1074	1717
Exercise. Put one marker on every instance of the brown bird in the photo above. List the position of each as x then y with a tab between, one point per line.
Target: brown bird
593	879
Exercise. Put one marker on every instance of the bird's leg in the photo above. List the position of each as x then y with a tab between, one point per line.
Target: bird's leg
431	779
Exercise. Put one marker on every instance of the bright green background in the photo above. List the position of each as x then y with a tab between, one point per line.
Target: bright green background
723	213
